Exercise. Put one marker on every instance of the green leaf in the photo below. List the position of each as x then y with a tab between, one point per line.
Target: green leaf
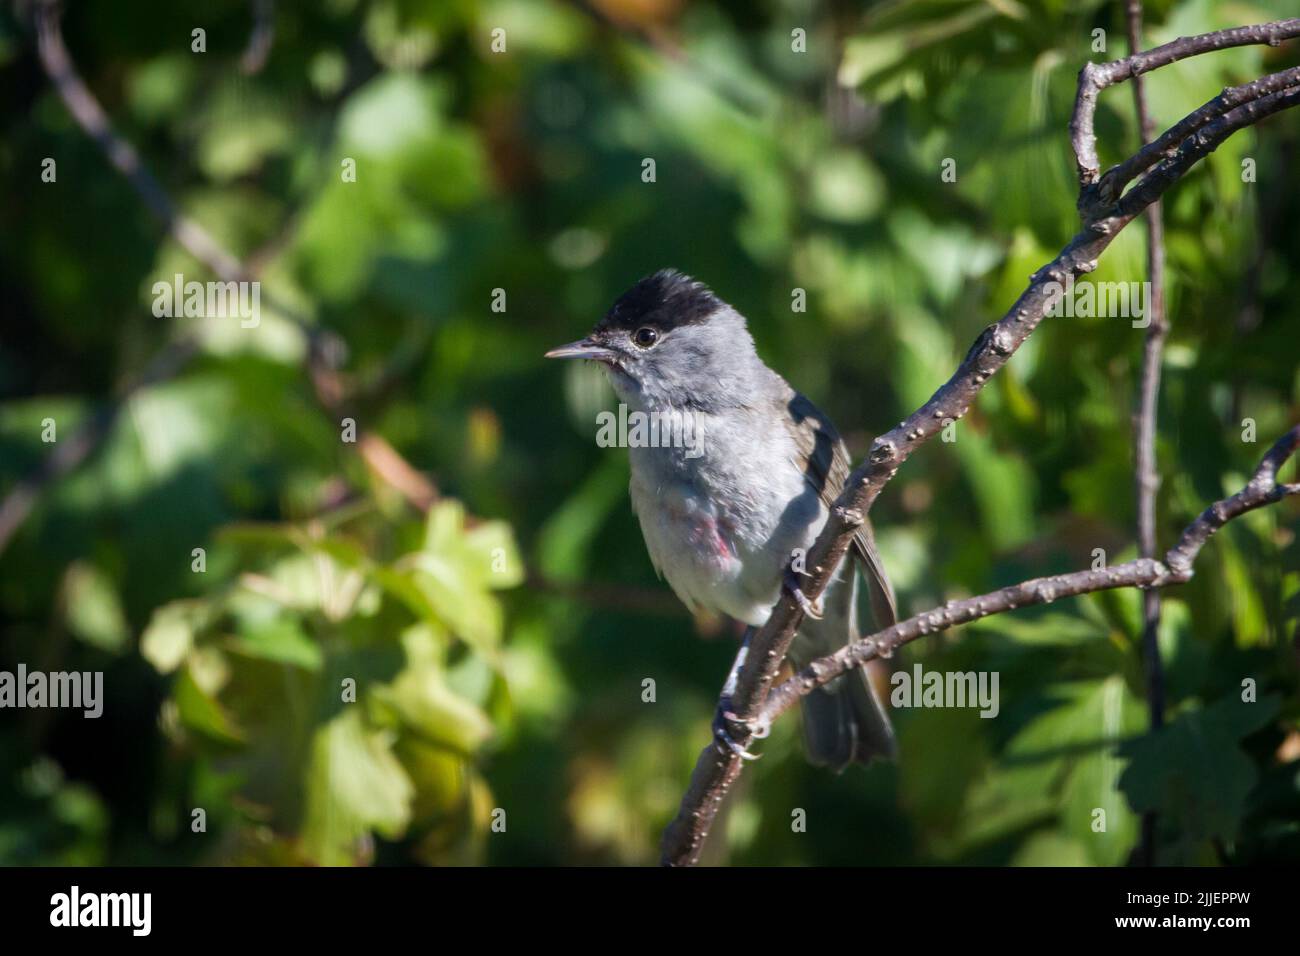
438	774
1093	810
1053	628
1193	771
422	700
354	785
170	634
491	546
92	609
1063	764
1050	849
202	712
471	613
241	129
845	187
283	640
388	114
565	541
895	40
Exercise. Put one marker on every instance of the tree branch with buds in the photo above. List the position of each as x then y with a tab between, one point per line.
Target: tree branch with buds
1105	212
1146	472
1146	573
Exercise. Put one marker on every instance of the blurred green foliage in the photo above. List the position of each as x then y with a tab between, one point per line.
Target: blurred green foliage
349	680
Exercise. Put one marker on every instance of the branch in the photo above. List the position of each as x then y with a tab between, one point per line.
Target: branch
714	771
1176	568
90	116
1113	181
1095	77
1146	474
260	40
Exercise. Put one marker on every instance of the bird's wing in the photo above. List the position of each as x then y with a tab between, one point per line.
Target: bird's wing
824	461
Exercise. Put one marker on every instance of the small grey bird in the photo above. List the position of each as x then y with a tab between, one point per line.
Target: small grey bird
723	515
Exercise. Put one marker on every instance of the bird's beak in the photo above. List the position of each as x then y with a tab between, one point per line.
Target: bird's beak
585	349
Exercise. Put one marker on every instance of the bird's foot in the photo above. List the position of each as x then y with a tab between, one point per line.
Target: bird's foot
725	720
812	609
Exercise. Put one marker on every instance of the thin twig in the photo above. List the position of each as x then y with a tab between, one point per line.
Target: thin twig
260	39
1095	77
1146	472
1112	182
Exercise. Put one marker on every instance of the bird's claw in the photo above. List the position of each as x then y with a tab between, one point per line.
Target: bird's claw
812	609
723	720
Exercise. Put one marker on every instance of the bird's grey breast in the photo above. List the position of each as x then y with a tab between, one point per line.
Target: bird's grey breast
720	523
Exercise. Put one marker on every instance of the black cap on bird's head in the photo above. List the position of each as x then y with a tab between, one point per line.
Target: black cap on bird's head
665	300
641	317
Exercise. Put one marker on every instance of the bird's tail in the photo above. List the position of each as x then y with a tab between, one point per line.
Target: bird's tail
844	722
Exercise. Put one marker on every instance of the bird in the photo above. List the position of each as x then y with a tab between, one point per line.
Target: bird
726	515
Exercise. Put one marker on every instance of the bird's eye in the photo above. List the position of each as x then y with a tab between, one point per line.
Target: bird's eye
645	337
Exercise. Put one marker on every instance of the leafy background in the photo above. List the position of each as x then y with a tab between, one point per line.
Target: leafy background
499	643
